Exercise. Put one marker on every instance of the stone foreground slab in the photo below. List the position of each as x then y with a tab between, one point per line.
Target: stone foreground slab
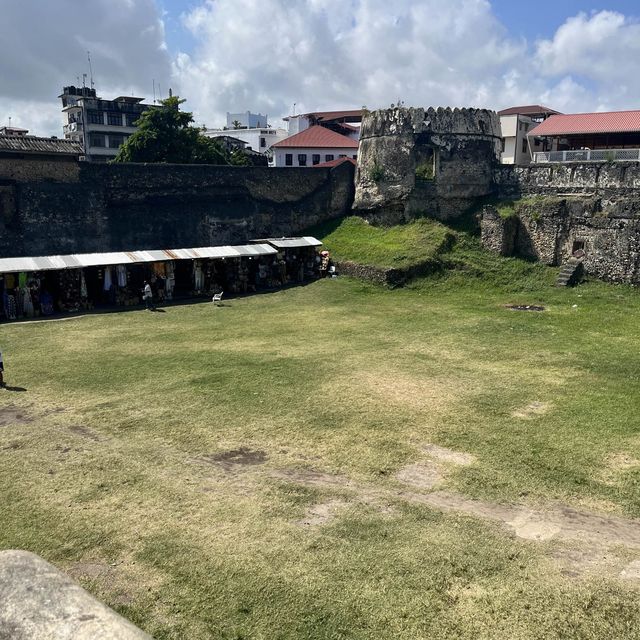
38	602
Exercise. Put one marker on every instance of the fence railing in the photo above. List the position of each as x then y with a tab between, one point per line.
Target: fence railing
587	155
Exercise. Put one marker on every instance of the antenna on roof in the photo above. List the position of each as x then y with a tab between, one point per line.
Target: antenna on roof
84	80
294	108
154	91
90	68
9	122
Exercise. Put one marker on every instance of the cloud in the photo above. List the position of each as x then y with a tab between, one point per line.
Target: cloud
44	44
598	54
264	55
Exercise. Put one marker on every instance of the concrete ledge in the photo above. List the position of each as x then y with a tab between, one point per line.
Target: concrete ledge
39	602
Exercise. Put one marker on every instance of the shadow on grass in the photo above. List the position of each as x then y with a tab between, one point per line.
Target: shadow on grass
19	389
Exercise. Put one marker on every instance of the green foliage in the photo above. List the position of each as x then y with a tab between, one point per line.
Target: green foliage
165	134
424	170
239	159
376	172
610	157
355	240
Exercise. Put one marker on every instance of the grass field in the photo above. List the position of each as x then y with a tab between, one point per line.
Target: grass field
399	246
340	460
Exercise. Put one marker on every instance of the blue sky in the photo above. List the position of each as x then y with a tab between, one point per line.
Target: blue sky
265	55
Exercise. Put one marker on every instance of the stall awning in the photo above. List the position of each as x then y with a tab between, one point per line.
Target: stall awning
75	261
292	243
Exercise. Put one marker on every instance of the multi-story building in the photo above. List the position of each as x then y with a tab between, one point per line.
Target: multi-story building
516	122
101	126
246	120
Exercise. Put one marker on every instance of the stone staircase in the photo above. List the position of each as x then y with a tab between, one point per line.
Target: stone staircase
570	272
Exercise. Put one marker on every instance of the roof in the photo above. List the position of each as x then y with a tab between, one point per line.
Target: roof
33	144
317	137
75	261
292	243
329	115
581	123
527	110
335	163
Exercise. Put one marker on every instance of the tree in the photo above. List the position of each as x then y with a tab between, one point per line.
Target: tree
165	134
236	124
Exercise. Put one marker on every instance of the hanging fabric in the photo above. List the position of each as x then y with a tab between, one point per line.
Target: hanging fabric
121	270
107	279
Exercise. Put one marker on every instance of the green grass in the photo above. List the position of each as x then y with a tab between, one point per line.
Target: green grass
399	246
338	377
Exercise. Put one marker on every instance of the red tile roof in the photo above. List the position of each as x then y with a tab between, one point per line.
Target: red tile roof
335	163
527	110
317	137
330	115
580	123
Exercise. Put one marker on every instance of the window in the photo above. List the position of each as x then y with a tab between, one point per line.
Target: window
115	141
288	159
342	155
354	156
263	142
302	159
114	119
502	145
97	140
131	119
95	117
328	157
524	145
315	158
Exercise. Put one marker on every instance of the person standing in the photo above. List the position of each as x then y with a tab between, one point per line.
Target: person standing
2	382
147	296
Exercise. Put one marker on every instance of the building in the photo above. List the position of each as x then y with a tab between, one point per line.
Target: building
15	144
313	146
256	139
246	120
346	123
100	126
516	122
589	137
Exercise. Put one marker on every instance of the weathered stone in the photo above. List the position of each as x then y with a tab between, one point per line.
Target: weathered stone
414	162
39	602
114	207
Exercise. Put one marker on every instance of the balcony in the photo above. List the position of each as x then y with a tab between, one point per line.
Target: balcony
587	155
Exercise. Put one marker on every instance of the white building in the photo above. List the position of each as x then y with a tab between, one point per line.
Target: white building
516	122
313	146
101	126
260	139
246	120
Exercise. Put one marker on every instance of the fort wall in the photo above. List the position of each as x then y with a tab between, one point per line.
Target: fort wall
69	207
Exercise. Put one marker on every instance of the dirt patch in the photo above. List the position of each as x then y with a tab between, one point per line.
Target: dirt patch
532	410
402	390
13	415
422	475
89	570
559	522
85	432
631	571
448	455
322	513
235	457
524	307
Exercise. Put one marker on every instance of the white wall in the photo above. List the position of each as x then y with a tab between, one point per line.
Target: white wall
279	155
251	136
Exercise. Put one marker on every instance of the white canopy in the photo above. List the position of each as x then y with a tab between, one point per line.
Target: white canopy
75	261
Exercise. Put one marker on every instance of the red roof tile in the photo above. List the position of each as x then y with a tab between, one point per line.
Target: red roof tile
335	163
527	110
580	123
317	137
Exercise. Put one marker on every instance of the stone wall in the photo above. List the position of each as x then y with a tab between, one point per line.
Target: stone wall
414	162
85	207
616	179
549	229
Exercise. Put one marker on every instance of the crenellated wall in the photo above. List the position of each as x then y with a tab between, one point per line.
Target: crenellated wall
51	208
414	162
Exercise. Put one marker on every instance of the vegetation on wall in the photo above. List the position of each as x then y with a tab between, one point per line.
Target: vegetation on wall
376	172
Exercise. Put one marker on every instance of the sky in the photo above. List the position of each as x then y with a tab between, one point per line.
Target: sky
268	55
